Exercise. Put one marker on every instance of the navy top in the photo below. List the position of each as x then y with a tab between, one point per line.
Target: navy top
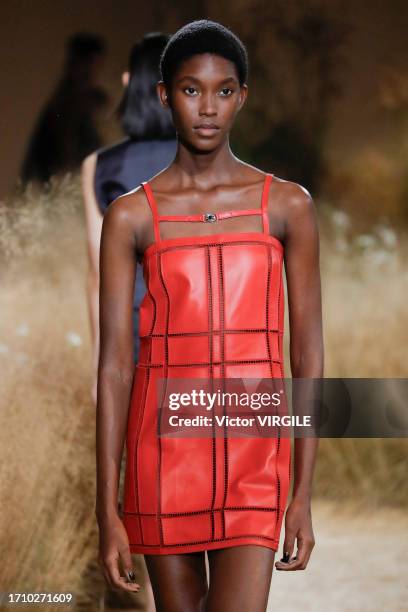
119	169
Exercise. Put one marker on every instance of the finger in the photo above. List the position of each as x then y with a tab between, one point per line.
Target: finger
291	563
124	584
299	562
288	544
117	580
127	564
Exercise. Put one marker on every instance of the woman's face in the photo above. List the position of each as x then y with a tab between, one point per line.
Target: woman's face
205	91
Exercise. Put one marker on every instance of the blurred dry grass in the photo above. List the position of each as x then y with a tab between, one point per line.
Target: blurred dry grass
365	320
47	438
47	435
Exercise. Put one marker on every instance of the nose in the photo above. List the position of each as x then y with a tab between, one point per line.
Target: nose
208	105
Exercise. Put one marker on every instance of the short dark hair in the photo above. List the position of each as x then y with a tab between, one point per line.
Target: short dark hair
203	36
140	111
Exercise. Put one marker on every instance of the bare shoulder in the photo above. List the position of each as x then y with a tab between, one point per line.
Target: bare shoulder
291	209
129	219
290	196
130	209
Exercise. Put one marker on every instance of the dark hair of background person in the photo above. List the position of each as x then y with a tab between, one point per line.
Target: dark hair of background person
65	130
203	36
83	46
141	114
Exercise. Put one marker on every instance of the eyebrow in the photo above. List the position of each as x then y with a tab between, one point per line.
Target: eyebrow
193	78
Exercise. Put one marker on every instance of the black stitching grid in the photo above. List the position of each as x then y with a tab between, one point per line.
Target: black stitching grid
281	371
268	285
245	535
211	369
194	512
154	308
222	331
280	337
271	365
214	331
217	244
210	313
139	425
222	372
206	363
165	376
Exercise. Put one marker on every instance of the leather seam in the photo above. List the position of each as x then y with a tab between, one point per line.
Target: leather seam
211	369
165	376
205	363
222	371
214	331
135	458
240	537
205	244
226	508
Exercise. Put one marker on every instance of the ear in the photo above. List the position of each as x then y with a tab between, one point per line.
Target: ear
162	93
243	96
125	78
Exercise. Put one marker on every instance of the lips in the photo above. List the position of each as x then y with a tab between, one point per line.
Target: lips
206	130
207	126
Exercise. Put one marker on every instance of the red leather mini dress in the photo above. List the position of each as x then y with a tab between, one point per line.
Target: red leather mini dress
214	308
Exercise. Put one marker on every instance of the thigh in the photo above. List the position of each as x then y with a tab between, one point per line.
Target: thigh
240	578
179	582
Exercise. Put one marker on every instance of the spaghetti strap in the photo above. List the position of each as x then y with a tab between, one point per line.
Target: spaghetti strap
210	216
264	203
153	207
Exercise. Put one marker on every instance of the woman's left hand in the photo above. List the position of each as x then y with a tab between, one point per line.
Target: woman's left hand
298	526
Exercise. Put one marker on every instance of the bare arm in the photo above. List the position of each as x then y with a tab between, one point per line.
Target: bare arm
306	354
115	378
93	221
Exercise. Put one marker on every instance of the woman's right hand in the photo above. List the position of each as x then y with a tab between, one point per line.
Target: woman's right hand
114	545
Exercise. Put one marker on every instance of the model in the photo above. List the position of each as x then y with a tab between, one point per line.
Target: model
213	233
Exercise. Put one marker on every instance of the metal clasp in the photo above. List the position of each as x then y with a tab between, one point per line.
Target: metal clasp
210	217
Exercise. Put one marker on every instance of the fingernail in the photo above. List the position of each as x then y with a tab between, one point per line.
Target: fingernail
131	576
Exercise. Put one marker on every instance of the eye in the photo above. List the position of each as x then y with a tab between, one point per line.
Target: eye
189	88
227	89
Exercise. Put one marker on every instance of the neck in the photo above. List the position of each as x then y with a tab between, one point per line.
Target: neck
204	168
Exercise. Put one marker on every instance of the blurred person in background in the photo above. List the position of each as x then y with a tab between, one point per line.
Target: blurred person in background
150	145
65	131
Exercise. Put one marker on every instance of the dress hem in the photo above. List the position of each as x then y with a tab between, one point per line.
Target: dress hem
190	548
